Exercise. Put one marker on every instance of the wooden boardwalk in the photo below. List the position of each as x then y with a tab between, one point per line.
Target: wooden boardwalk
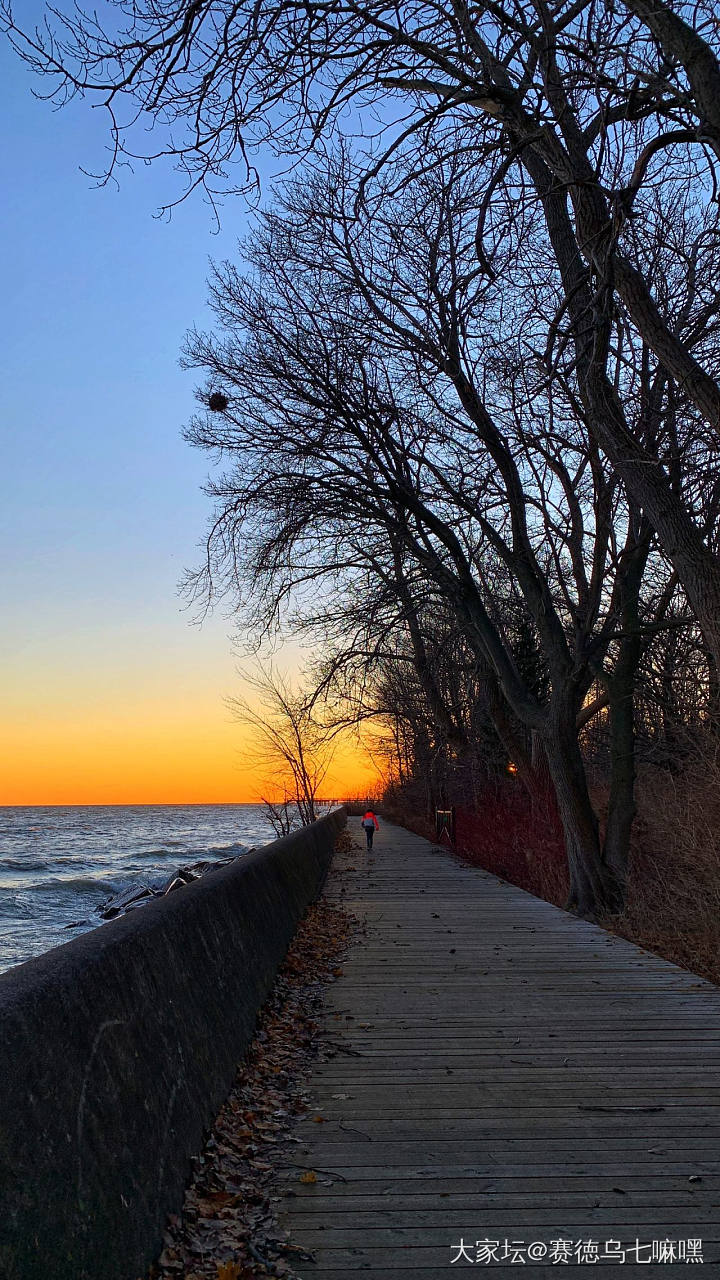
502	1071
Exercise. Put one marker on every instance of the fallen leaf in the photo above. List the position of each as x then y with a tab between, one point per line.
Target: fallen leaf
229	1270
309	1176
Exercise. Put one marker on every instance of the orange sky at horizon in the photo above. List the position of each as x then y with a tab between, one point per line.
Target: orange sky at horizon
190	761
99	717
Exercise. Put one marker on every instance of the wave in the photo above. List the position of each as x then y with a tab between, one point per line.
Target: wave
225	850
58	867
124	876
22	864
75	884
204	853
15	907
150	855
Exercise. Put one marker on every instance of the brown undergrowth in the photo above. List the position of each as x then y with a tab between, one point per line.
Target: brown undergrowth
673	893
227	1228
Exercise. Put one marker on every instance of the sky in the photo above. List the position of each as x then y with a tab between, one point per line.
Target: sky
111	693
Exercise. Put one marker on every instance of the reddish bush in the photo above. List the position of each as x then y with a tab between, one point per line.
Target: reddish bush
507	834
516	839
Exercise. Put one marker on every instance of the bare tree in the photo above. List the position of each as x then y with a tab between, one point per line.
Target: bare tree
392	656
579	118
363	399
289	747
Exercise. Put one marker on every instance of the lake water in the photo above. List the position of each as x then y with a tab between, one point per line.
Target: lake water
58	864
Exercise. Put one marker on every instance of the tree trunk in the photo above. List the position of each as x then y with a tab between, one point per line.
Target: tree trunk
541	768
713	696
678	40
621	809
592	884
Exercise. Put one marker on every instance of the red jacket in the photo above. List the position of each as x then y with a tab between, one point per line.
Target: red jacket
370	814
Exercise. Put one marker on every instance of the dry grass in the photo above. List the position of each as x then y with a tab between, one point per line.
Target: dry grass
673	899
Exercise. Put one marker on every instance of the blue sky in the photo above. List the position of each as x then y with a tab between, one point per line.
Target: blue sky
100	501
109	694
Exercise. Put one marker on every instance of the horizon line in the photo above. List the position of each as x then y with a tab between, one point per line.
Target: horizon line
142	804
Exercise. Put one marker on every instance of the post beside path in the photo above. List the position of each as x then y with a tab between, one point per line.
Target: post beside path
503	1076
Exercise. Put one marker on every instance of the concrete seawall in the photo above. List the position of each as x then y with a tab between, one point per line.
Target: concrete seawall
117	1049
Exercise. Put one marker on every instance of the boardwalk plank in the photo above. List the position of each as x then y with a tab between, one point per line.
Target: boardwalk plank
492	1064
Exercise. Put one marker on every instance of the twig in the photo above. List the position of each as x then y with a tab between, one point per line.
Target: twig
346	1128
342	1048
256	1254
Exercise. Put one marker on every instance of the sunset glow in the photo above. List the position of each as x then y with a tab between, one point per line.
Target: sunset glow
146	754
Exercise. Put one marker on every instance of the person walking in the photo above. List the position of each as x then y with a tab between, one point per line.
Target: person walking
370	826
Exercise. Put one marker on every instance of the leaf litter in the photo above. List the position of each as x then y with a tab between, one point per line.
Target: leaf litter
227	1229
